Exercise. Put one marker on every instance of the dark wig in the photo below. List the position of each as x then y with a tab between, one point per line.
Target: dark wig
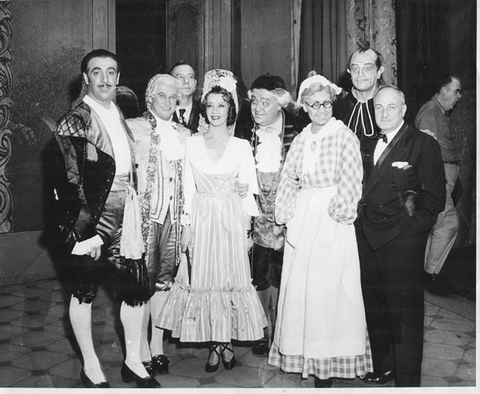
228	98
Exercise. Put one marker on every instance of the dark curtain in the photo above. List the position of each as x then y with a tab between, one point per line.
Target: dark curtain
323	39
436	37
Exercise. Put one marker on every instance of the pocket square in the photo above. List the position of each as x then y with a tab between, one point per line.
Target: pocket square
400	164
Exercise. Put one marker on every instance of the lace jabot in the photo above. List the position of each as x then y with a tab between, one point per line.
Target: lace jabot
170	144
269	150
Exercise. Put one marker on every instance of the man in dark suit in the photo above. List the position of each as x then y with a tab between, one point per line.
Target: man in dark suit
187	112
403	192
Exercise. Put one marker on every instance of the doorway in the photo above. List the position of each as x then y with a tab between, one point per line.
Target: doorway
140	42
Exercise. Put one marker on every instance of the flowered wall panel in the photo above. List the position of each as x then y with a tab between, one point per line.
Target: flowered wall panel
373	21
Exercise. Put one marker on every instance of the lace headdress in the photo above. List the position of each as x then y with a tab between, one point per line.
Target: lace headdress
224	79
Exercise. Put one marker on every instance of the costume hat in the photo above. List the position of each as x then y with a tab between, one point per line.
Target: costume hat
268	82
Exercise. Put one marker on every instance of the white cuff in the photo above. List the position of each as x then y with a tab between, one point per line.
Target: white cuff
84	247
250	205
185	219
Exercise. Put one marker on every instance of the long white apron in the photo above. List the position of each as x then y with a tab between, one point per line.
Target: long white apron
320	311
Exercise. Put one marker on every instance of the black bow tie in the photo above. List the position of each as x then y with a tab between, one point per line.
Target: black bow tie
383	136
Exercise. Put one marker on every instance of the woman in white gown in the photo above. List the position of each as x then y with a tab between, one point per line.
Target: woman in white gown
213	299
321	328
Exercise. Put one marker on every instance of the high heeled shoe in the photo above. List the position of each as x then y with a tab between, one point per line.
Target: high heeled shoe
129	376
160	363
209	367
230	363
89	384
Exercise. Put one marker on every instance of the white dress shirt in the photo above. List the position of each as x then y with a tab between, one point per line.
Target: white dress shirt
382	145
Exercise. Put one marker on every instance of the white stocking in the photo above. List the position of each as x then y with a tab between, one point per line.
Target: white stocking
144	346
81	320
157	302
132	321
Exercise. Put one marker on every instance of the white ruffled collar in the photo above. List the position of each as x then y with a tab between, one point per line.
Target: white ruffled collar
170	144
269	149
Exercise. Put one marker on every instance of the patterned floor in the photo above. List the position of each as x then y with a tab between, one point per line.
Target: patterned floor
37	348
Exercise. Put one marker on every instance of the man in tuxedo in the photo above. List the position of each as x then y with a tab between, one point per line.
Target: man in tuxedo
403	193
187	112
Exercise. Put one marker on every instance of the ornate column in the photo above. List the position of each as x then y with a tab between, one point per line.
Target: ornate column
6	83
374	21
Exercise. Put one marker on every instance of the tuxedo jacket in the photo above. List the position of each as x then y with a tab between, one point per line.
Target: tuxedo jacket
193	119
404	189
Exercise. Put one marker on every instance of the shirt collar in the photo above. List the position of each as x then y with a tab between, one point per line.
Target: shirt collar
187	109
393	133
97	107
355	94
275	127
161	121
435	100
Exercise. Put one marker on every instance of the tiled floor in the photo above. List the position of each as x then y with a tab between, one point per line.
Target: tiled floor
37	348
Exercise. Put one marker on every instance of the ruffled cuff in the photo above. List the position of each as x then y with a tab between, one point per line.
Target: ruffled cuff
185	219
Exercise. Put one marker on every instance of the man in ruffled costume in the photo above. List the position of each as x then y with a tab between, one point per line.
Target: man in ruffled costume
273	129
95	171
160	151
213	299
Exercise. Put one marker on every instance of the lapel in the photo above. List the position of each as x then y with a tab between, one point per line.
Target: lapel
384	163
131	144
175	117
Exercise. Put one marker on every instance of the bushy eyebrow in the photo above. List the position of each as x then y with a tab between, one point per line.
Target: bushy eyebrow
98	68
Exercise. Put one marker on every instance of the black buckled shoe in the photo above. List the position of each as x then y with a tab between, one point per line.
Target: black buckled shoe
89	384
261	349
149	368
160	363
144	383
379	378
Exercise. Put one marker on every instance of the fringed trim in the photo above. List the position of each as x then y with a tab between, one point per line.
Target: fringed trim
179	208
151	172
135	281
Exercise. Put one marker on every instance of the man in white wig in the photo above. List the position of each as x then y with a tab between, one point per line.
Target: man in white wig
160	153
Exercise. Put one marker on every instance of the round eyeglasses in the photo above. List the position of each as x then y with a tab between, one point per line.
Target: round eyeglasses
318	104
